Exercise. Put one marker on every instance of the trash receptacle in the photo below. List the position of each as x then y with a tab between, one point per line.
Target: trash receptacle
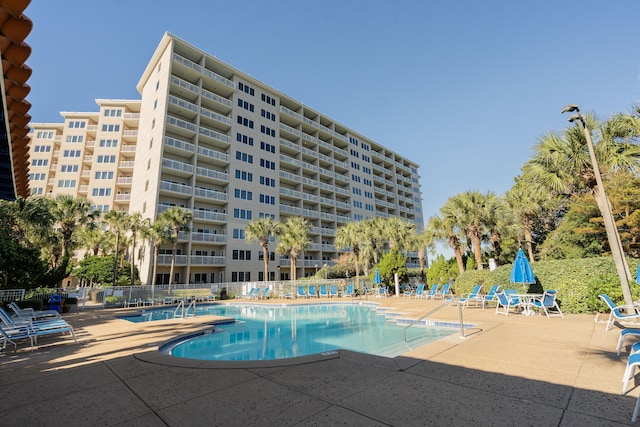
55	302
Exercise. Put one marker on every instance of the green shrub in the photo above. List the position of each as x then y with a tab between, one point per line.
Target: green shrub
578	282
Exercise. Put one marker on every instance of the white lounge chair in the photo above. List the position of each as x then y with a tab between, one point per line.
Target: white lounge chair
548	304
31	314
616	313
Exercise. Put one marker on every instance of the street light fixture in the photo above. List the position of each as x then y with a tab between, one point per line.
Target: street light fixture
603	201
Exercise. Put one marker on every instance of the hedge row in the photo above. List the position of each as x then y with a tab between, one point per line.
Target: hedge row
578	282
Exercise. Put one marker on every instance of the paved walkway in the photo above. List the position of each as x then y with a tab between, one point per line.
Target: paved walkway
514	370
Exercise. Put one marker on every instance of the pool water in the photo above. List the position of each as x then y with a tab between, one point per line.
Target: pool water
264	332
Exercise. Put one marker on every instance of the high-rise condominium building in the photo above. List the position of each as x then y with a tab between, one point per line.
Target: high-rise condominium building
215	141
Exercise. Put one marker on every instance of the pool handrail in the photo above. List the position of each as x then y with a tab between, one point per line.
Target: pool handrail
444	304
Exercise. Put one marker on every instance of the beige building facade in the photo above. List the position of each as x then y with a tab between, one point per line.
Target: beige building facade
216	141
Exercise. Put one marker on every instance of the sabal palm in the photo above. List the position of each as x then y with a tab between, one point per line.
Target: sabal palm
157	234
117	221
444	228
69	213
398	232
469	209
353	235
178	219
136	226
293	239
262	230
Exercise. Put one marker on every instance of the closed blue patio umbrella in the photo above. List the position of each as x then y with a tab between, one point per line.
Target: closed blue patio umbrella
521	271
376	277
638	276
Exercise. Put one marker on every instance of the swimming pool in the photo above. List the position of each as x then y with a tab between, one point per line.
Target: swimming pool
269	332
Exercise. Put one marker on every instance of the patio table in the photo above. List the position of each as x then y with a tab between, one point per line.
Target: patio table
527	300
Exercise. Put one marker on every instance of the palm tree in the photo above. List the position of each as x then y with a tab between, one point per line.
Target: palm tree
262	230
353	235
469	208
69	213
375	236
398	232
92	238
444	228
419	242
136	225
117	221
178	219
157	234
293	239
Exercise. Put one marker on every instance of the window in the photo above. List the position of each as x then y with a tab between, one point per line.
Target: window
244	139
355	178
245	122
45	134
242	194
69	168
238	233
267	115
269	182
266	199
108	143
241	255
245	176
39	162
110	112
37	176
268	99
242	214
244	157
103	175
272	256
267	147
106	159
366	182
357	204
267	215
66	183
101	192
71	153
42	149
246	89
246	105
353	141
366	170
75	138
267	130
268	164
111	128
74	124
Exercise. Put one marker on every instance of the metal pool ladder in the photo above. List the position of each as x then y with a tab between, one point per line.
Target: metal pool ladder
444	304
184	312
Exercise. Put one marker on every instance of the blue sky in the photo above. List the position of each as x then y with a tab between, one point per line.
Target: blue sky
462	87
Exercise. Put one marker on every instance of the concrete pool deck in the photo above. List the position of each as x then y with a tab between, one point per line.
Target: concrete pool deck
515	370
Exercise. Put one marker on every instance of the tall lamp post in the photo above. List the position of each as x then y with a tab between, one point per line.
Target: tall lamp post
603	201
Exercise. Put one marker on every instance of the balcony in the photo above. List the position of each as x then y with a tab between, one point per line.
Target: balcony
207	194
128	165
173	187
181	260
122	197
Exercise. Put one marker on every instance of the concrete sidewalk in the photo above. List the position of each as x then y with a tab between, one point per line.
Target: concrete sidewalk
514	370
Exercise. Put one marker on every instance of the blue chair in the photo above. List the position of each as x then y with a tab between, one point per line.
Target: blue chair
475	295
507	302
445	292
419	292
632	363
255	295
616	314
264	294
333	291
431	293
382	292
349	292
491	295
323	291
301	292
634	332
312	291
547	303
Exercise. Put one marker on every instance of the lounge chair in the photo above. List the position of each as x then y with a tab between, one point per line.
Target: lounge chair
382	292
616	314
10	334
632	363
547	303
407	291
634	332
301	293
349	292
445	292
475	295
323	291
255	294
431	293
419	292
507	302
333	291
264	294
33	328
491	295
312	291
31	314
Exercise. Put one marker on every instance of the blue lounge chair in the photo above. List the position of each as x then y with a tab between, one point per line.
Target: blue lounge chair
632	363
301	293
431	293
445	292
547	303
333	291
382	292
475	295
312	291
507	302
634	332
419	292
349	292
255	294
491	295
616	314
264	294
251	294
323	291
33	329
